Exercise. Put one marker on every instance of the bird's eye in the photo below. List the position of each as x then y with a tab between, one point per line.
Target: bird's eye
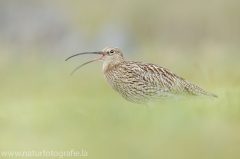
111	51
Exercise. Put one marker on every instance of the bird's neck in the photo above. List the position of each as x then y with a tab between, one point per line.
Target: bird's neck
111	65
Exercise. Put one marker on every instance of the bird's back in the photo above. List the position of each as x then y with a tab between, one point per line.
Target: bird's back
141	82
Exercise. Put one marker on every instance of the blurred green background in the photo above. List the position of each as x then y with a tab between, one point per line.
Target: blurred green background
43	107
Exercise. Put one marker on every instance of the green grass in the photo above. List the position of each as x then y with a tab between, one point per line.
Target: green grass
43	107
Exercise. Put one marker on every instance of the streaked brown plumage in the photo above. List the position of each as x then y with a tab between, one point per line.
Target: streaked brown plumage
142	82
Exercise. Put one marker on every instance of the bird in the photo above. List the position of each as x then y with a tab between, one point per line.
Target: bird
142	82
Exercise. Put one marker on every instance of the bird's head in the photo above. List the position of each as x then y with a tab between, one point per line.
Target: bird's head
112	54
109	54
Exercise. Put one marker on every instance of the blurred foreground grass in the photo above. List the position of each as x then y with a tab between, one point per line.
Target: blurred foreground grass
43	107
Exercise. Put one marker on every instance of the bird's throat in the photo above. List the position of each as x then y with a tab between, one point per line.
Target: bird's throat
110	65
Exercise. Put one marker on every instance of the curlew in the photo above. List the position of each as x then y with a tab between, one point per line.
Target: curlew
142	82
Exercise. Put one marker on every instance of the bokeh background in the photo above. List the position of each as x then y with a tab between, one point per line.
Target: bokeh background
43	107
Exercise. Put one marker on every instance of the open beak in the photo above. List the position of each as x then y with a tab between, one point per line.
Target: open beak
97	59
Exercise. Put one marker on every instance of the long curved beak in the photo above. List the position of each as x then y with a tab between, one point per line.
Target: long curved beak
97	59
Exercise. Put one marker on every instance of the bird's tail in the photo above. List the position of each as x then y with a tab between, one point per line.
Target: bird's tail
197	91
213	96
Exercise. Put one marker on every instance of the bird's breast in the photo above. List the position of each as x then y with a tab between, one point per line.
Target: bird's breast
112	79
